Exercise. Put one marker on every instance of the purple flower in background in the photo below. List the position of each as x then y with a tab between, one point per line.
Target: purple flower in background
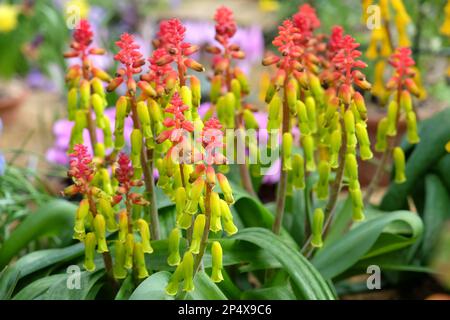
62	130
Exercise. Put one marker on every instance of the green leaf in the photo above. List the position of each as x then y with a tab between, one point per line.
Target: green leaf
38	287
434	134
126	289
153	288
60	290
205	289
304	276
53	218
437	204
33	262
361	242
272	293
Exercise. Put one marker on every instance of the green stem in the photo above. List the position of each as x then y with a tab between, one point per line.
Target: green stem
282	186
147	168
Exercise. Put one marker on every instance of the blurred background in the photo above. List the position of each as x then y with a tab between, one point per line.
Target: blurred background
34	132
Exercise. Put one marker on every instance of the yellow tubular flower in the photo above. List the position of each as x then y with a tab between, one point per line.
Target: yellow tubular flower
445	28
378	88
8	17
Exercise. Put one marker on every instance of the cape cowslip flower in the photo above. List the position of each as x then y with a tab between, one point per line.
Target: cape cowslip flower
81	169
125	176
178	124
306	20
346	60
132	61
171	38
225	25
159	75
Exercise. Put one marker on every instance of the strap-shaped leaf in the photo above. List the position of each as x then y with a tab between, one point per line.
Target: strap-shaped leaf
434	134
33	262
55	217
304	276
367	240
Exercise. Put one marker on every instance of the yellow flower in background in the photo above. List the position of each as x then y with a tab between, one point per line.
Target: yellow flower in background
384	7
418	80
386	47
375	39
365	4
378	88
402	19
264	85
445	28
269	5
447	147
8	17
81	5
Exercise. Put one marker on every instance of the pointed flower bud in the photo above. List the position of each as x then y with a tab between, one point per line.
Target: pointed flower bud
351	166
174	282
311	111
411	124
129	248
286	151
215	224
82	212
298	171
216	87
119	270
335	146
108	212
227	218
399	164
89	251
226	188
322	184
308	148
123	226
72	103
100	233
392	119
364	142
188	271
357	204
382	128
291	95
197	234
196	91
139	261
174	247
144	232
317	227
216	253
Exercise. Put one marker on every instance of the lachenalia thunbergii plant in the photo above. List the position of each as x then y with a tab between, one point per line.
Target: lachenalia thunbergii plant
86	93
332	122
401	85
164	113
199	208
229	86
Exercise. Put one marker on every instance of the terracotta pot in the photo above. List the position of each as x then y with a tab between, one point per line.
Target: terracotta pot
10	104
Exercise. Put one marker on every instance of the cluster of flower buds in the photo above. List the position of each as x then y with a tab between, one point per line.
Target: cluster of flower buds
320	97
171	38
188	176
99	212
402	86
381	42
86	94
229	87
